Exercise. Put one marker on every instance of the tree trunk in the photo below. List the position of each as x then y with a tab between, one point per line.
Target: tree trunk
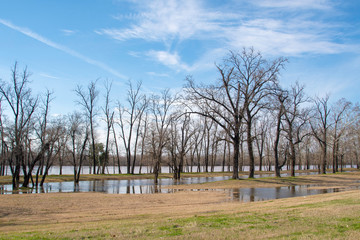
250	148
236	141
324	158
117	150
224	158
292	158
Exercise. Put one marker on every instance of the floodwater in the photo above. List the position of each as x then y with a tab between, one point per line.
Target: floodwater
263	194
135	186
147	186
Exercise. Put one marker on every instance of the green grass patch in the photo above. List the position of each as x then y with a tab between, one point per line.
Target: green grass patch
173	230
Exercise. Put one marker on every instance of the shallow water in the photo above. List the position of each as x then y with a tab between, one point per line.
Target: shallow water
136	186
263	194
147	186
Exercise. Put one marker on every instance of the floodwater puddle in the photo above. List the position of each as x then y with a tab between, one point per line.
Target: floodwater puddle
147	186
134	186
263	194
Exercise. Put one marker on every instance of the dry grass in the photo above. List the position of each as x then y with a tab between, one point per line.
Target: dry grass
187	215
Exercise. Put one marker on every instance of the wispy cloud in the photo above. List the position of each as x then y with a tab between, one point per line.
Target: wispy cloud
168	59
62	48
68	32
166	20
295	4
158	74
299	28
48	76
284	41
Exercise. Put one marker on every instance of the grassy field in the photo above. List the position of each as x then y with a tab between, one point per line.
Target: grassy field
187	214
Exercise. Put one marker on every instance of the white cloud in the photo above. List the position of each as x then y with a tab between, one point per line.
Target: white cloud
295	4
166	20
168	59
283	41
62	48
47	76
165	57
298	28
158	74
68	32
135	54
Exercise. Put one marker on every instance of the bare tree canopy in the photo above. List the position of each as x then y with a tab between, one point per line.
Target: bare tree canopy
130	118
160	108
296	119
18	97
246	80
88	98
320	125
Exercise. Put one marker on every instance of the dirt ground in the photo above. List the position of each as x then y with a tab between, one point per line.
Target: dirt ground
78	215
21	212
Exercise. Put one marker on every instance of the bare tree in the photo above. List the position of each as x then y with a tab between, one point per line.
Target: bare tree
116	148
280	97
214	147
161	112
41	130
144	134
320	126
129	121
138	126
22	105
222	103
197	142
79	136
179	142
296	119
109	117
54	133
261	129
29	159
256	77
208	125
246	80
87	100
339	112
62	145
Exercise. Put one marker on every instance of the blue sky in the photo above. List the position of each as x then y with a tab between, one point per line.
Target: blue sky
66	43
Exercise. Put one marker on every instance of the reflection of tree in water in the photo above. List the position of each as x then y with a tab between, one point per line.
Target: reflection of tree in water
76	187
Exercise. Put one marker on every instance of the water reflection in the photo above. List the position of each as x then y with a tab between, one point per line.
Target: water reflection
135	186
262	194
146	186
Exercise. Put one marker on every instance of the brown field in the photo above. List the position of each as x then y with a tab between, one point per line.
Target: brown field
188	215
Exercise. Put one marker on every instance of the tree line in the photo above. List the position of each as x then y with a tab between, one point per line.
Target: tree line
244	118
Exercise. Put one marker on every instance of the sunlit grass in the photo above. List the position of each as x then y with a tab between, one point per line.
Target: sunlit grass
336	217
